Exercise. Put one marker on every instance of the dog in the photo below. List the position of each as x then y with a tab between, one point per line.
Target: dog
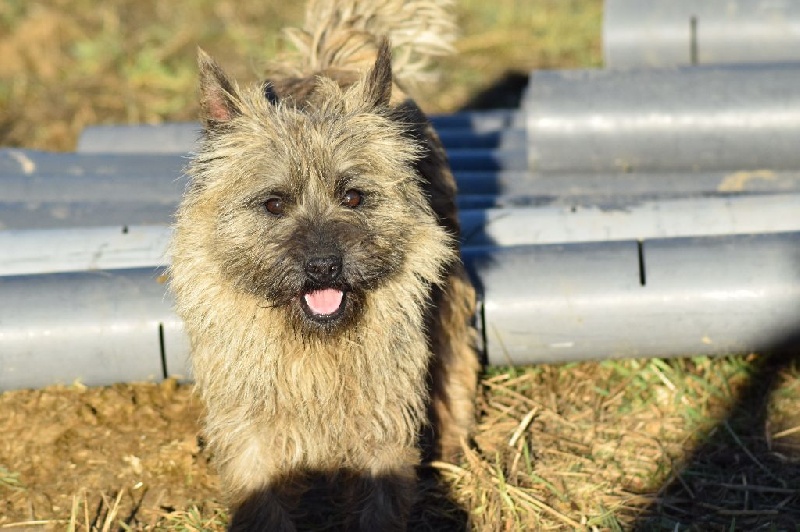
315	263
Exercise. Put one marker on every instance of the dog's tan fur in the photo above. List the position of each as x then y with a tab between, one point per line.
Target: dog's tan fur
287	395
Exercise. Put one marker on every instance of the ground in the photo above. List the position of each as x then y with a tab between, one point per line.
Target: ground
613	445
75	445
689	444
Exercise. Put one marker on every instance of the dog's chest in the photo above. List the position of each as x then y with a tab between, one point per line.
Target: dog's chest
340	412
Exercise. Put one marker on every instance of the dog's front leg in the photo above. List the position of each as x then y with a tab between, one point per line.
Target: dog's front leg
264	509
383	494
262	491
385	502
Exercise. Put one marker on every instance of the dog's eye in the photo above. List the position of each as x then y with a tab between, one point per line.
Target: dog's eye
274	206
352	198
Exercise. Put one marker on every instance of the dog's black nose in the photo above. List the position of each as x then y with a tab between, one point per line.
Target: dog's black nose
324	269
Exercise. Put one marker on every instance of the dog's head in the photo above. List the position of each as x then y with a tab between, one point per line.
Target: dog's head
314	205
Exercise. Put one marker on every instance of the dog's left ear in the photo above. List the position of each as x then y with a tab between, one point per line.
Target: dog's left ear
378	87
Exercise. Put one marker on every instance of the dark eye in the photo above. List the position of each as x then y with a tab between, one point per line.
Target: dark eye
352	198
274	206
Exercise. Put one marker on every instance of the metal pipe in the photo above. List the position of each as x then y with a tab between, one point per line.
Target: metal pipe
94	327
558	221
661	298
687	32
31	176
489	129
621	184
693	119
667	218
72	214
56	250
44	190
540	304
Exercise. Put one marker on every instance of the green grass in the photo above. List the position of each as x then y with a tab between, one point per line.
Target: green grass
9	479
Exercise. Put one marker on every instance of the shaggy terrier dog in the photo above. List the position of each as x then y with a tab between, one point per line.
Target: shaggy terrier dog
316	266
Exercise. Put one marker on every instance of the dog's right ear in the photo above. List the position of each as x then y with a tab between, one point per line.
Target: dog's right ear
217	94
378	90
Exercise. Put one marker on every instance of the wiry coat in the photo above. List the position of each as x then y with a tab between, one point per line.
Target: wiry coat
291	394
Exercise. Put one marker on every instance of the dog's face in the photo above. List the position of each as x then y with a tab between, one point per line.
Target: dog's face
314	206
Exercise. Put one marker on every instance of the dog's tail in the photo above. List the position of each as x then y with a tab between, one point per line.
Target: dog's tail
345	34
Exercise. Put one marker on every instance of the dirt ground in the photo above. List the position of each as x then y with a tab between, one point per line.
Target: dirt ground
79	445
583	447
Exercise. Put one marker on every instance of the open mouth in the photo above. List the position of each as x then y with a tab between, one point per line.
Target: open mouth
324	304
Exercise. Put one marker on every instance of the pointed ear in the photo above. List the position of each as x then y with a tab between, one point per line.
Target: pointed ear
216	92
378	87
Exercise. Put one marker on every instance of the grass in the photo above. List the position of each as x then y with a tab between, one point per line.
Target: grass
9	479
696	443
106	517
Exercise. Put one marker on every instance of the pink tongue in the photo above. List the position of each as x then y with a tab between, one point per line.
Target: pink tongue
325	301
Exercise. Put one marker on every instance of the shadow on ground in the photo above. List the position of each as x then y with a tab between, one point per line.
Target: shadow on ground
738	477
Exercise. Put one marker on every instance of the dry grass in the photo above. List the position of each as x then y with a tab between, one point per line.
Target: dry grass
617	445
694	444
70	63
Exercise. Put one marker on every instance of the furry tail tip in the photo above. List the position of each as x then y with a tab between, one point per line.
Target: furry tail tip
346	34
